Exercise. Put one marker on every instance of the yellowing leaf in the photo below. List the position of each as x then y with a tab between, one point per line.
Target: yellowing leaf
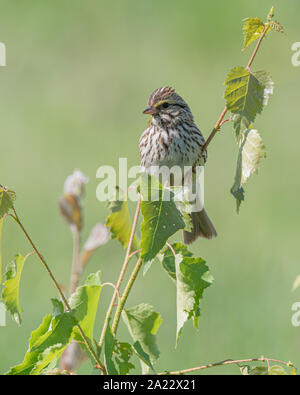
277	370
10	293
253	28
120	223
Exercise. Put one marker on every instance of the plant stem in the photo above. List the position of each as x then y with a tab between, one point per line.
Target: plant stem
64	299
230	362
70	353
124	297
220	120
76	259
257	46
121	276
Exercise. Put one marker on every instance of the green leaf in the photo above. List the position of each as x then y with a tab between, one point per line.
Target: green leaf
161	217
123	353
244	93
84	302
1	225
192	278
168	259
46	343
120	223
143	356
253	28
251	151
259	371
109	345
247	97
7	199
143	323
10	293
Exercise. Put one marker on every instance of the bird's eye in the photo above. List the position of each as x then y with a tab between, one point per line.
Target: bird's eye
165	105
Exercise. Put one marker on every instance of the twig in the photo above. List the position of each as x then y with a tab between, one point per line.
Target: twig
68	307
76	259
122	273
67	354
134	253
114	286
230	362
172	249
220	121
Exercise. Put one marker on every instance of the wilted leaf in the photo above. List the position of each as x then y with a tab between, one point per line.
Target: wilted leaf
10	293
251	151
120	223
47	342
143	323
70	209
7	199
253	28
84	303
161	217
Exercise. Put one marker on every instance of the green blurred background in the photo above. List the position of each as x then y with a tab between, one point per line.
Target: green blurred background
78	76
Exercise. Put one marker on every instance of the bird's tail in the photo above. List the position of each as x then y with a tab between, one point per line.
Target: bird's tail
201	227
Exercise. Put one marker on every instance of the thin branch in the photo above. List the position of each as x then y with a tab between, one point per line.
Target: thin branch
68	307
121	276
172	249
220	121
257	47
122	301
230	362
134	253
114	286
76	259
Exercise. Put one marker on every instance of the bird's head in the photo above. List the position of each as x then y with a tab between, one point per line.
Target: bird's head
167	107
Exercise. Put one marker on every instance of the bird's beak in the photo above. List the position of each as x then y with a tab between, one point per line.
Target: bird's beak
150	110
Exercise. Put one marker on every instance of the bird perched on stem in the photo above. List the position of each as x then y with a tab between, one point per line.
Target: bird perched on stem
173	139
